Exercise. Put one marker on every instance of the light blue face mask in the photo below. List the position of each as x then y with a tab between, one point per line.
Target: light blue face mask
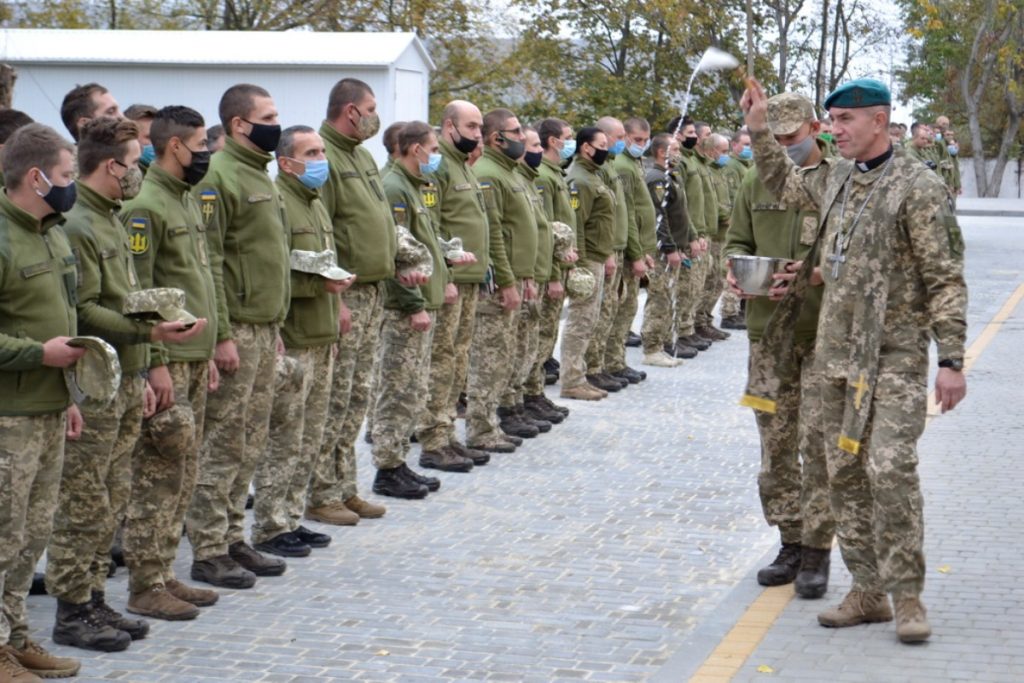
938	137
636	151
953	150
746	153
568	149
617	147
722	160
148	155
315	174
433	163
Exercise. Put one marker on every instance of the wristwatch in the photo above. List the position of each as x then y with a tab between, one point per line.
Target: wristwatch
952	363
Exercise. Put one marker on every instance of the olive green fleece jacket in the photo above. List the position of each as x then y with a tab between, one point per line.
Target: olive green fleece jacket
249	256
38	279
364	232
106	275
167	237
510	214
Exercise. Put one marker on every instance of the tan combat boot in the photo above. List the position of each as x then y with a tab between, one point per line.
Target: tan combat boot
660	359
200	597
13	672
41	663
364	509
583	392
333	513
157	602
857	607
911	620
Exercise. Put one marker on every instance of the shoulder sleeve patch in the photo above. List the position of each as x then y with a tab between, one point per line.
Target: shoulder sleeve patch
138	237
400	213
208	204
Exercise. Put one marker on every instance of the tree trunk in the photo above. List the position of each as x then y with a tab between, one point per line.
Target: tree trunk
8	76
750	39
819	82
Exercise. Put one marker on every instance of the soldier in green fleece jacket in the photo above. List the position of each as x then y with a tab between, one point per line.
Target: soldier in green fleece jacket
365	237
37	318
97	472
250	266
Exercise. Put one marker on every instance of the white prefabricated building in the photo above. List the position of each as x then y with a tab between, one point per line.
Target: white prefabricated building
194	68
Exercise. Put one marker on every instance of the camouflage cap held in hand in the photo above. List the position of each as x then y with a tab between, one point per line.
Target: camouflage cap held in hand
95	377
565	239
158	303
322	263
580	283
788	111
452	249
412	256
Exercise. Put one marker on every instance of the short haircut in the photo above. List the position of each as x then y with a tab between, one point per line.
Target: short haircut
238	100
915	126
390	137
495	120
660	143
215	132
587	135
413	133
635	124
31	146
10	121
550	128
138	112
714	140
104	138
175	121
698	126
346	91
78	104
738	134
286	145
675	124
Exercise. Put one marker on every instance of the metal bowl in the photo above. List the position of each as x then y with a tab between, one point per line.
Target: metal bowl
755	274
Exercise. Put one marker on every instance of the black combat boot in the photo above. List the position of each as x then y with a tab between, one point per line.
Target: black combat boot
259	564
812	579
783	568
543	426
538	409
510	423
136	628
393	482
80	626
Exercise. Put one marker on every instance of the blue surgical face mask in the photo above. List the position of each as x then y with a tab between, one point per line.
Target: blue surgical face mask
315	174
433	163
148	155
636	151
938	137
953	149
617	147
746	153
722	160
568	149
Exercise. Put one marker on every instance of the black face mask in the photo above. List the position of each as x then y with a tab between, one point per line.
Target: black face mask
464	144
513	149
60	199
532	159
265	136
196	170
600	155
690	143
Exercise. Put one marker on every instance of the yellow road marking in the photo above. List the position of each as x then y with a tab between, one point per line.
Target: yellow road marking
735	648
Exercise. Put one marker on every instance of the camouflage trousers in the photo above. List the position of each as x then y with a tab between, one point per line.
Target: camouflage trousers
31	456
684	290
449	358
490	367
876	494
547	336
657	325
730	303
403	366
580	328
234	442
713	284
611	297
165	465
793	481
296	431
615	347
524	345
334	475
95	483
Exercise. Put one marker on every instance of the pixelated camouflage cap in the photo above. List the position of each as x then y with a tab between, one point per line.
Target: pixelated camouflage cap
580	283
564	237
96	376
412	255
858	93
165	303
788	111
452	249
323	263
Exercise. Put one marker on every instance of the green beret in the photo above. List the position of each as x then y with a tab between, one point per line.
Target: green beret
863	92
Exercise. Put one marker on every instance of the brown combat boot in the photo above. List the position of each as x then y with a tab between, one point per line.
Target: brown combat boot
365	509
333	513
911	620
41	663
200	597
856	608
158	603
13	672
